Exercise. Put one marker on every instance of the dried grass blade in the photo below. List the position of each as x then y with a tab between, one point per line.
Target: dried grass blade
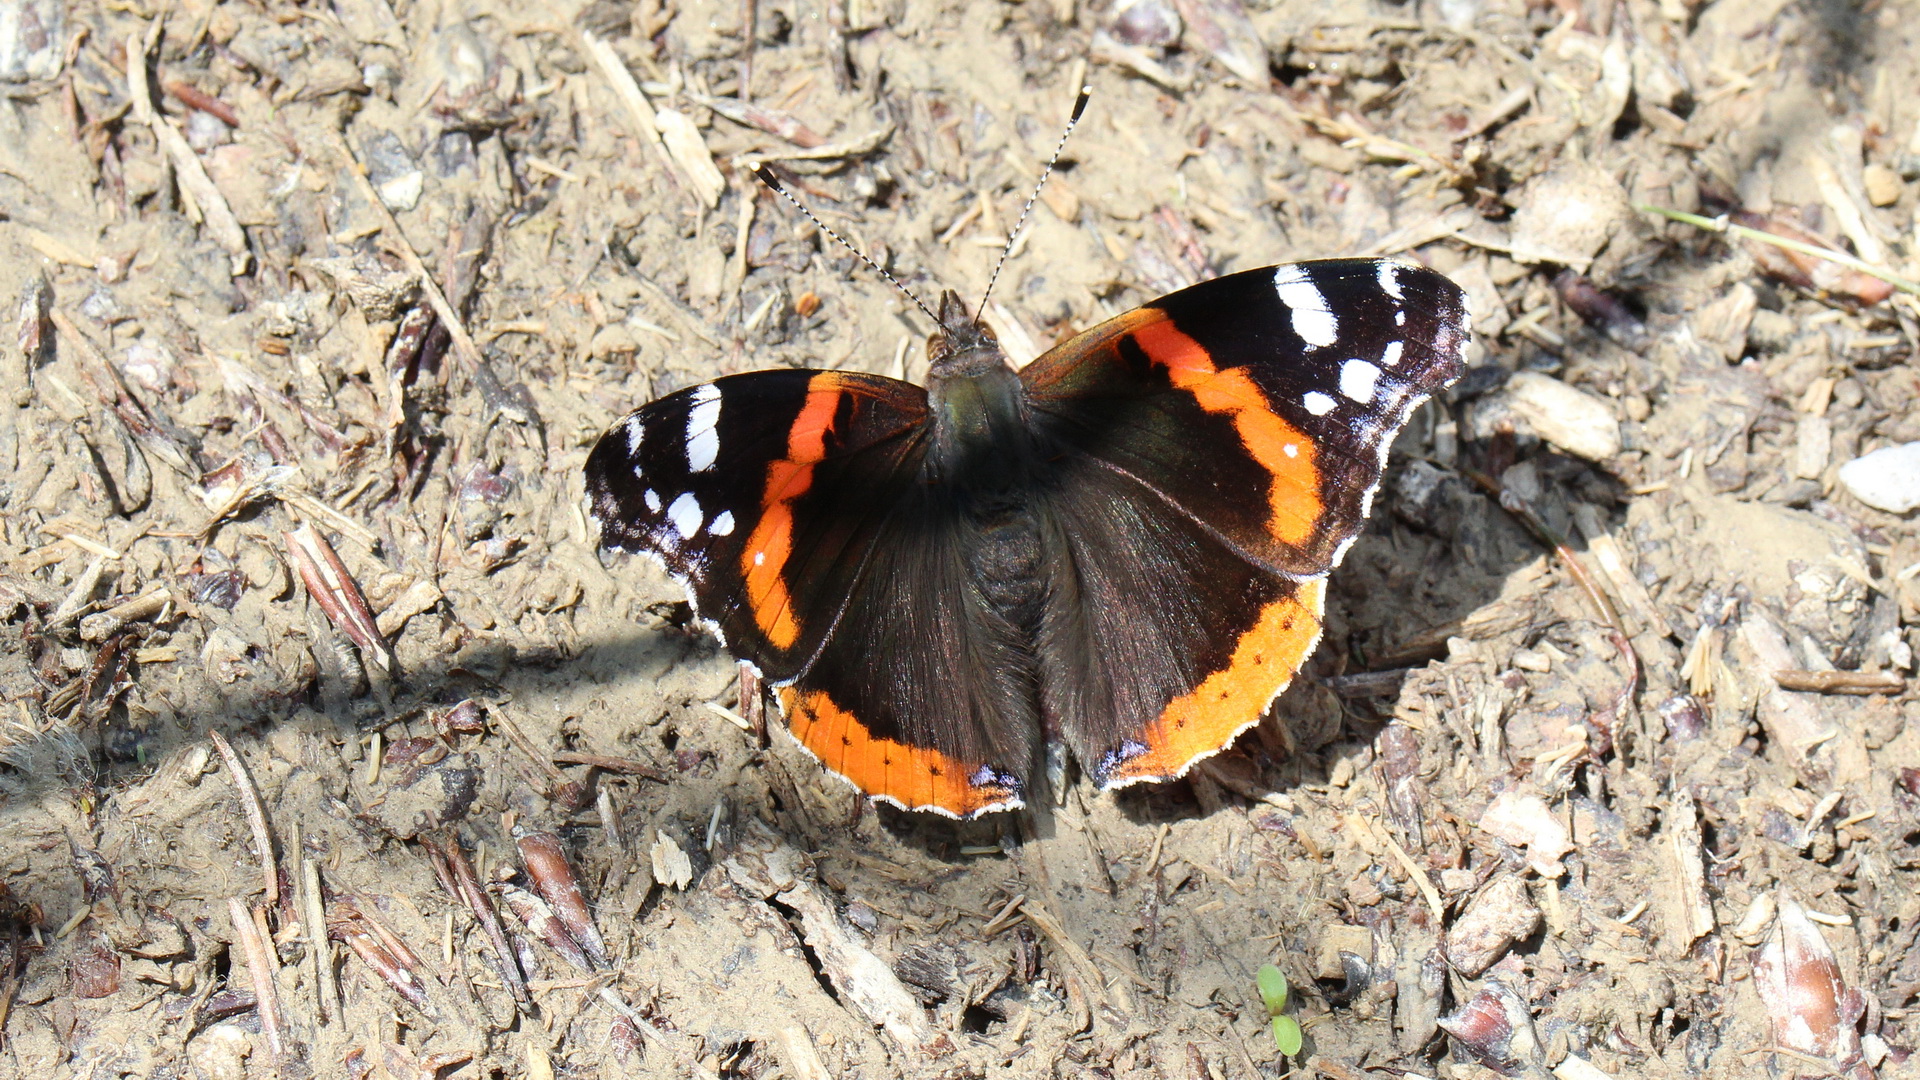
466	885
553	877
189	173
334	589
256	815
386	965
260	969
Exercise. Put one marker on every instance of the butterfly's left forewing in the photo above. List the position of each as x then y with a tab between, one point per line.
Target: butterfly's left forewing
1260	404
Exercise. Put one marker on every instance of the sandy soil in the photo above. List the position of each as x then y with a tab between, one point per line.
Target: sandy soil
1545	805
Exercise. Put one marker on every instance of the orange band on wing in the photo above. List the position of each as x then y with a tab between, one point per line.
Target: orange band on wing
908	776
1233	698
1278	446
764	562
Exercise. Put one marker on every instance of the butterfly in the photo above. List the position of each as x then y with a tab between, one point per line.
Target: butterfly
1120	549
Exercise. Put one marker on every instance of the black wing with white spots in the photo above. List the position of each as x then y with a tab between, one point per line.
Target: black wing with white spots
762	494
1262	404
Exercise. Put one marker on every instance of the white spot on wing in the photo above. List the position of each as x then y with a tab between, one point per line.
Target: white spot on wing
1291	450
1391	356
1400	318
686	516
722	525
635	429
759	558
653	501
1390	279
1356	380
1317	403
703	440
1312	319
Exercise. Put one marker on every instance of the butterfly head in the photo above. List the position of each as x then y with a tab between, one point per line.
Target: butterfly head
963	345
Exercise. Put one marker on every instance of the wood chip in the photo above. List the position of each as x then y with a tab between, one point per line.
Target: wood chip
1688	910
627	89
858	146
98	626
690	153
862	978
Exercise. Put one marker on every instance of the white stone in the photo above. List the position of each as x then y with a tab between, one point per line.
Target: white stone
1887	479
1573	420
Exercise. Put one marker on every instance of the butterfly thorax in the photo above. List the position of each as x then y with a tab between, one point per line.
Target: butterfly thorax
981	449
981	442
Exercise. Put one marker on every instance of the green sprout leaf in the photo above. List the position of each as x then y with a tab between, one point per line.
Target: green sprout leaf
1286	1035
1273	989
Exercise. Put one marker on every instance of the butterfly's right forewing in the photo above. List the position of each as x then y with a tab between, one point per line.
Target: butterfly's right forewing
762	494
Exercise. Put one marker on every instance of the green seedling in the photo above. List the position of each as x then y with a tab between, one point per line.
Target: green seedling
1273	991
1286	1035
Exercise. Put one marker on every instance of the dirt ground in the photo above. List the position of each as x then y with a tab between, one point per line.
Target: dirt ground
1608	765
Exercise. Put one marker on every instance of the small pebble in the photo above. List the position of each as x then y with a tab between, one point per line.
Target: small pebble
1532	660
33	39
1771	331
1813	443
1146	22
149	366
1882	184
206	131
1568	214
1887	479
1573	420
393	172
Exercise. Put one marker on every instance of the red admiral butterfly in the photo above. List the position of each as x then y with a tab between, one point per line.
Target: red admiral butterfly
1121	548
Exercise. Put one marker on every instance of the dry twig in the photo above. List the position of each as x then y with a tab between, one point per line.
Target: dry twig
1841	682
260	969
1761	236
256	816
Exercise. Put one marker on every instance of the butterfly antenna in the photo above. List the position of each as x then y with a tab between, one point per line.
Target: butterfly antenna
767	177
1079	106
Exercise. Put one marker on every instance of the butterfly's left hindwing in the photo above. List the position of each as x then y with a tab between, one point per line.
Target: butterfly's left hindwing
761	493
1160	642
